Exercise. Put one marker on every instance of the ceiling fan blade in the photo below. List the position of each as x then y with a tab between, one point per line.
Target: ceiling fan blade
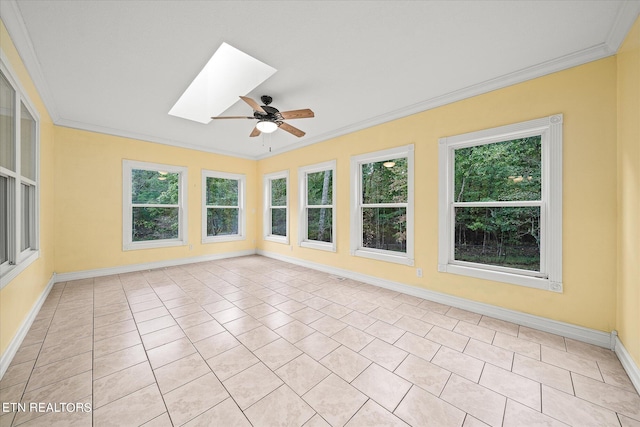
254	132
294	131
233	117
253	104
297	114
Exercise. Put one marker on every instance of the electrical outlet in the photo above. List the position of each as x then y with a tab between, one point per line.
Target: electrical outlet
419	272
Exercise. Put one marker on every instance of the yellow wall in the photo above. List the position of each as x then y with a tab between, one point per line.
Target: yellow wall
19	296
88	203
586	95
628	313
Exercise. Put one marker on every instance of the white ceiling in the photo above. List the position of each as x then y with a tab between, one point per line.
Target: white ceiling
119	66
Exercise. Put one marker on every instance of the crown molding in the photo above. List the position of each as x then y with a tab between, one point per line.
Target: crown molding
145	138
562	63
12	18
627	15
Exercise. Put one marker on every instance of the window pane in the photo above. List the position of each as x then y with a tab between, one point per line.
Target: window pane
154	187
154	224
4	228
385	228
502	171
507	237
7	124
385	184
222	192
27	143
279	192
319	224
279	222
222	222
320	188
25	239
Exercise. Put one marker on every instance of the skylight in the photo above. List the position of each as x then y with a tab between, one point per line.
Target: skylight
228	74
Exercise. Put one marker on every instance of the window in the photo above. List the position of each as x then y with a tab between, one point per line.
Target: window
276	212
500	212
223	216
382	205
19	144
317	206
155	208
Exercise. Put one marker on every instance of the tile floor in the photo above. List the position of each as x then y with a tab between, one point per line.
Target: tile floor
254	341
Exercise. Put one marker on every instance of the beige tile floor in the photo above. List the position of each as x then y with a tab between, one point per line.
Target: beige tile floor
254	341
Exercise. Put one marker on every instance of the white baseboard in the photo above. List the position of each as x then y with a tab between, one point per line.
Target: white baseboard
121	269
628	364
568	330
14	345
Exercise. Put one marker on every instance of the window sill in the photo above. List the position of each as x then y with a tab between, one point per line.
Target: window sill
132	246
277	239
387	256
323	246
223	238
499	276
10	272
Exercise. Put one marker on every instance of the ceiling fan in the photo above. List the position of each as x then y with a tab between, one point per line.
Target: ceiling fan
270	118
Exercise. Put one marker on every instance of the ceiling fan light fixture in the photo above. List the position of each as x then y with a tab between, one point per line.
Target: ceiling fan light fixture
266	126
389	164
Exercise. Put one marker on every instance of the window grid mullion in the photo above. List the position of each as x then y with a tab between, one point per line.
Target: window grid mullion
499	204
384	205
153	205
222	206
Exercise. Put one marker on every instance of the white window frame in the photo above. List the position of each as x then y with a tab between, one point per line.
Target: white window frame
357	249
550	275
18	260
127	206
267	207
242	220
303	237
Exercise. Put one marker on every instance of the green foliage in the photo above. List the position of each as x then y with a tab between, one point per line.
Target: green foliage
320	188
385	228
320	193
502	171
279	192
278	221
222	221
222	192
319	224
382	184
153	188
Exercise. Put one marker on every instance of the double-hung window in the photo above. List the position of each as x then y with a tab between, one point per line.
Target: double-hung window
19	144
223	216
317	206
154	205
382	205
500	204
276	207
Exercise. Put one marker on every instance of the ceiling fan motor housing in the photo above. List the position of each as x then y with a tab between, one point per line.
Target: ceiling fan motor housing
273	114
